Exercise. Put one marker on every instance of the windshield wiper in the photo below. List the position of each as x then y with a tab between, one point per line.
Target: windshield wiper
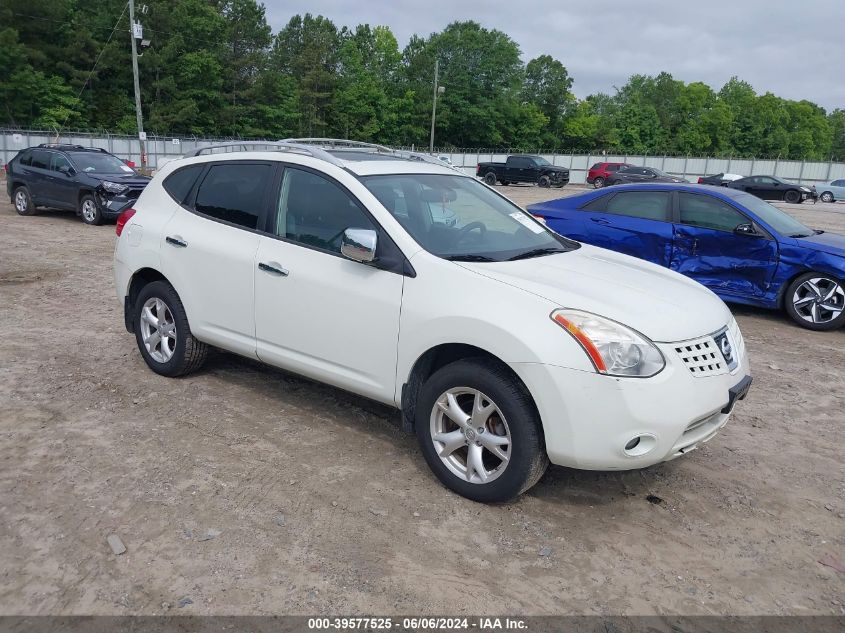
470	258
537	252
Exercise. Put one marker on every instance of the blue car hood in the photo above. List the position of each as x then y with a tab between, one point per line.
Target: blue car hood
830	243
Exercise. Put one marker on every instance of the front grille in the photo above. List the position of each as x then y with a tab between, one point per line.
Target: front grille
701	357
133	193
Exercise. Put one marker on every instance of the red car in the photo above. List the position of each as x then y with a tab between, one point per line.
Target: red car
600	172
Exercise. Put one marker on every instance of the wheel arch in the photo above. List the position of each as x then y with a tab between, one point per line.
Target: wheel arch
439	356
139	279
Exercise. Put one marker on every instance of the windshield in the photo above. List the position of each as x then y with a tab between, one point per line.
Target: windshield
774	217
456	217
100	163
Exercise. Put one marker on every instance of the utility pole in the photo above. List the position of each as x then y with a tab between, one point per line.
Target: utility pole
142	137
437	90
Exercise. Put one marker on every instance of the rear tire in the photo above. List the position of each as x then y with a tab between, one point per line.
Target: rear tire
489	178
816	301
23	201
163	334
544	181
598	183
507	422
89	211
826	197
792	197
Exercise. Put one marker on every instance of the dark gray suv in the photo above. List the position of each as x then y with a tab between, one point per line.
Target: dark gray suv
95	184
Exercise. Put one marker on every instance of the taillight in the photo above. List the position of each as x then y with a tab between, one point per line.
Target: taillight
478	170
700	180
122	219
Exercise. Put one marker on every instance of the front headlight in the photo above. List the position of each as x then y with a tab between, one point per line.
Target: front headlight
807	189
114	187
614	349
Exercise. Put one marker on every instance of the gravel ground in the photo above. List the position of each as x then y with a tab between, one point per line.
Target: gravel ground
247	490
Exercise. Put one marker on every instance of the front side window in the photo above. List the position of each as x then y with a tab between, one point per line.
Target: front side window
58	161
315	211
234	193
648	205
457	218
100	163
708	213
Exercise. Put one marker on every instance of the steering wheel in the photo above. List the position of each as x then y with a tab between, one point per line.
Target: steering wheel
462	232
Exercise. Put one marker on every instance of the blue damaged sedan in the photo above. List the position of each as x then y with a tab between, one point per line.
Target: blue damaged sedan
742	248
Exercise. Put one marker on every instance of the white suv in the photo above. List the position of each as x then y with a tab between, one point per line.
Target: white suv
388	274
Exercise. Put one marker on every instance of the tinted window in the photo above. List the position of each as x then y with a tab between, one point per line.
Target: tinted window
597	204
708	212
58	161
596	166
763	180
838	183
234	193
774	217
650	205
315	211
179	183
628	170
519	162
25	159
40	159
100	162
613	168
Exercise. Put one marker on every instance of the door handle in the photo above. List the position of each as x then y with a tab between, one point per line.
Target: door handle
601	221
273	268
176	241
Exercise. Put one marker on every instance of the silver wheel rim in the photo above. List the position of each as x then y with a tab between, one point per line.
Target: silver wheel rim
827	197
470	435
20	201
598	183
89	211
819	300
158	330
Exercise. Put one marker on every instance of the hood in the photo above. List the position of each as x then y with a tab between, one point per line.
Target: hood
830	243
663	305
133	179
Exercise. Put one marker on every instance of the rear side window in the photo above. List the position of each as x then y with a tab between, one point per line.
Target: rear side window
180	182
25	159
234	192
596	166
649	205
40	159
596	204
708	212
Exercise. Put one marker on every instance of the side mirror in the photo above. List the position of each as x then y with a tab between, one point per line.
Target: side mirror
359	245
746	229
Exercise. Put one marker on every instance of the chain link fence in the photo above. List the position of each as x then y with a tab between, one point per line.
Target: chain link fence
160	150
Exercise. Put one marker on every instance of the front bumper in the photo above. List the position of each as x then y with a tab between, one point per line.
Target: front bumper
112	206
589	419
559	179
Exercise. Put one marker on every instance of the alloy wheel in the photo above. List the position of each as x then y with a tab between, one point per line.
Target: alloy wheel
158	330
89	210
827	197
819	300
20	202
470	435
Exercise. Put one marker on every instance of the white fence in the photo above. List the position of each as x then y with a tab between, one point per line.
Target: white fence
162	149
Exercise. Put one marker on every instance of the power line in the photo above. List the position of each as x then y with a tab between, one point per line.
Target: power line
96	61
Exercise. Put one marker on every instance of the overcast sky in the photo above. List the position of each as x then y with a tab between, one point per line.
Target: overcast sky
793	48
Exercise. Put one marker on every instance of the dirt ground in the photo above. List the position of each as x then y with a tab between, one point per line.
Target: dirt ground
251	491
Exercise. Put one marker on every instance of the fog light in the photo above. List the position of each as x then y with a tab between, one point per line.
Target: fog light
640	444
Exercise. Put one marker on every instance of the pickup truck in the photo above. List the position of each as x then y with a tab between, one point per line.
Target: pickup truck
523	168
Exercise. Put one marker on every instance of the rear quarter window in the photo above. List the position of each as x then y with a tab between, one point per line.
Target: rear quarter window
596	204
24	158
180	182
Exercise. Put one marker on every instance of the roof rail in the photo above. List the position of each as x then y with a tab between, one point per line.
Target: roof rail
68	146
345	144
275	146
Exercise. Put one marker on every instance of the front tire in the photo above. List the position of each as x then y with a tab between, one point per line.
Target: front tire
479	431
89	211
163	333
792	197
598	183
489	178
23	201
816	301
826	197
544	181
